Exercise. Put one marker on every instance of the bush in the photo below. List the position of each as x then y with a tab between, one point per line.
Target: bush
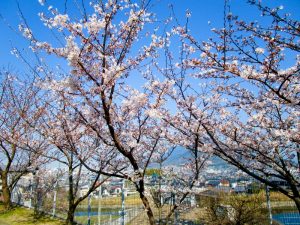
235	210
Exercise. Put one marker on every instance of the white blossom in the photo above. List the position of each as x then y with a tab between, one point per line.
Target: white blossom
260	50
60	20
203	55
94	25
188	14
42	2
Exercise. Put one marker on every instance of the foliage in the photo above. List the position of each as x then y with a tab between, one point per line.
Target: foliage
153	171
95	102
235	210
20	146
246	108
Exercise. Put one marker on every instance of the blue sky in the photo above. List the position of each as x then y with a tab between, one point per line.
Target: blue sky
202	12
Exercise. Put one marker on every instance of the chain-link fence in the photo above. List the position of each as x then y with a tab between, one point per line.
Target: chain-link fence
116	202
283	210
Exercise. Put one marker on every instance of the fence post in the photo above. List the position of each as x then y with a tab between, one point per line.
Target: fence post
99	202
123	204
175	212
31	192
269	204
89	206
36	197
54	199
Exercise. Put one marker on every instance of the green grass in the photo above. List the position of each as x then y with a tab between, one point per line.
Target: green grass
131	200
23	216
20	215
94	219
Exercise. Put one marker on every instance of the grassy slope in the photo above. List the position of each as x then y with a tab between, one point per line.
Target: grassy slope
23	216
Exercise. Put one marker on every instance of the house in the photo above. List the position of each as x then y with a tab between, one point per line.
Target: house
115	190
104	191
239	187
212	183
84	190
224	183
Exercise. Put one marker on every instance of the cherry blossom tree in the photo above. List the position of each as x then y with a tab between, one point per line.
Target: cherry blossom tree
101	52
20	146
43	183
247	103
72	145
180	179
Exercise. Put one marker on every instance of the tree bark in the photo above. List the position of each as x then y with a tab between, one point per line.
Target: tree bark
71	199
5	191
147	208
294	188
70	217
297	202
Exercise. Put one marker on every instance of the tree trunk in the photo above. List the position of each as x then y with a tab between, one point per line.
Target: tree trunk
295	191
147	208
70	217
175	206
5	191
71	199
297	202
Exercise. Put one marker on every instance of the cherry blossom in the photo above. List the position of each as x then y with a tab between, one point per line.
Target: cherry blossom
21	147
247	111
96	102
